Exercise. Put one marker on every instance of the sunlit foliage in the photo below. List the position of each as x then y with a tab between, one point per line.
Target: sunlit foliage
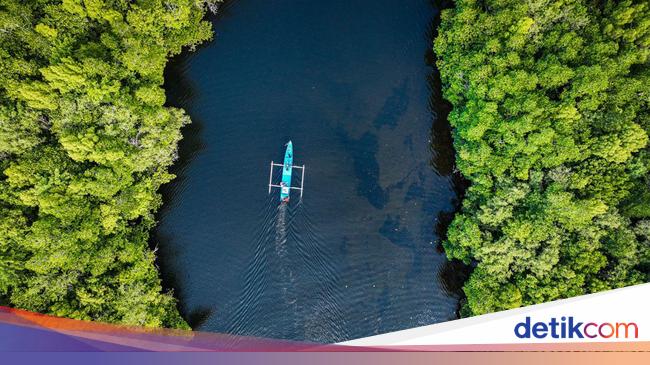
85	143
551	120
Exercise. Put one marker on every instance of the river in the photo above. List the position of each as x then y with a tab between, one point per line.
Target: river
351	83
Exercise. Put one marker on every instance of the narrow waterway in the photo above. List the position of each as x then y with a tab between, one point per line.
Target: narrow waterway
351	84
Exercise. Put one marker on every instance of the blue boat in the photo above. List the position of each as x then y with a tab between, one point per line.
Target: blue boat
285	184
287	169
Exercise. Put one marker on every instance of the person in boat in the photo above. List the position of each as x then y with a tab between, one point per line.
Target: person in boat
283	185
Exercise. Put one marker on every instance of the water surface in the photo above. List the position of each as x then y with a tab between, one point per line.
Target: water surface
349	82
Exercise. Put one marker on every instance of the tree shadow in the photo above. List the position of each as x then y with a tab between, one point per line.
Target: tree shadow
179	92
454	273
198	317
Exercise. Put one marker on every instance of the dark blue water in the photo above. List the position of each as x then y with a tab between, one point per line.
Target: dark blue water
350	83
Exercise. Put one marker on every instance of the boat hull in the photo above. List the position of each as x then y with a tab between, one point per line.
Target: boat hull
285	185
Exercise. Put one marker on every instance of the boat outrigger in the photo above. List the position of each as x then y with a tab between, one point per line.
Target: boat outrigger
287	168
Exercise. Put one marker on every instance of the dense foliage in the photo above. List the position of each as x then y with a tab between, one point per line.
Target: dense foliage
551	119
85	143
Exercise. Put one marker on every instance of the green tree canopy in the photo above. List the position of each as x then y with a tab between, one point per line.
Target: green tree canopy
85	143
550	121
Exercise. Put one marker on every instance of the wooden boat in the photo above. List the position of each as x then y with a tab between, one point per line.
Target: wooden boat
287	169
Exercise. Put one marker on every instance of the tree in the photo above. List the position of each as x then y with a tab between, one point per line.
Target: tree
550	122
85	143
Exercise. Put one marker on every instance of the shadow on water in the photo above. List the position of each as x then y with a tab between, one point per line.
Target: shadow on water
394	107
198	316
442	150
366	168
453	273
180	90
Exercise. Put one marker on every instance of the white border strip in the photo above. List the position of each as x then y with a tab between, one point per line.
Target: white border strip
624	305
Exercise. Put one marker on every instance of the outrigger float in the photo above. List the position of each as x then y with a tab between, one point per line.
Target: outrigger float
287	168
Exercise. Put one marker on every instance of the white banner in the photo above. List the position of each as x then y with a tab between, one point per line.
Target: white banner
611	316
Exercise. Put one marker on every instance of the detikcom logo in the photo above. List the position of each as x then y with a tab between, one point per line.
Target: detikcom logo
568	327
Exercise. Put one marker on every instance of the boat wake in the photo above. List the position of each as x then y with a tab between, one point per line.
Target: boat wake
281	229
291	282
283	271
